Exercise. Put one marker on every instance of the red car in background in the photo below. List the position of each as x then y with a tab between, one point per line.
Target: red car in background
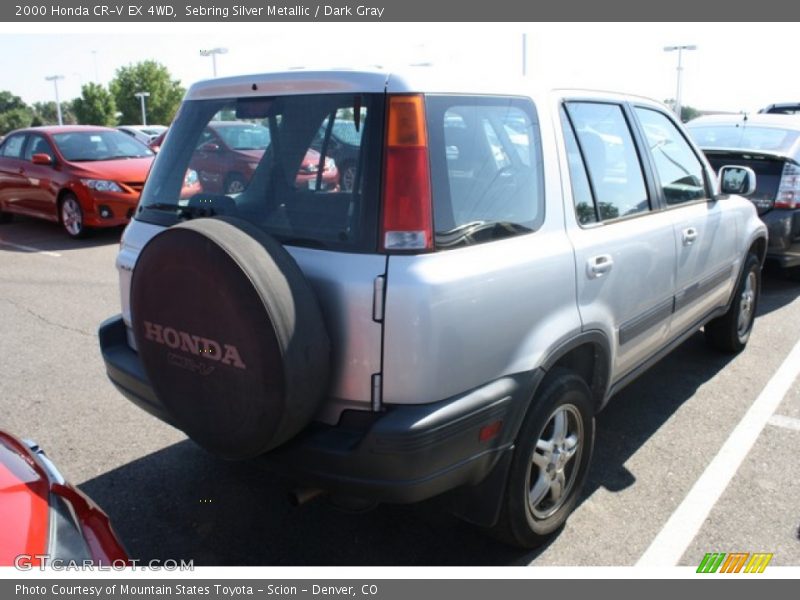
41	514
78	176
229	152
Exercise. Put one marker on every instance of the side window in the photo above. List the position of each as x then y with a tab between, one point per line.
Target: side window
38	145
12	148
486	169
585	208
610	155
679	169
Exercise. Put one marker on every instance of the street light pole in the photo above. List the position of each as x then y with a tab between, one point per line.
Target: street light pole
141	96
213	54
678	91
524	54
54	79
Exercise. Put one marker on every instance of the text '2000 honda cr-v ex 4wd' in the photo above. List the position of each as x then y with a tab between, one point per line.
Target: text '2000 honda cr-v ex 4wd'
499	265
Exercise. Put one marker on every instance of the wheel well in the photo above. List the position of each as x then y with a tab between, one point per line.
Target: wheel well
59	199
590	361
759	248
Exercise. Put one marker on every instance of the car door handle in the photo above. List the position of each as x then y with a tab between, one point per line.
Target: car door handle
689	236
599	265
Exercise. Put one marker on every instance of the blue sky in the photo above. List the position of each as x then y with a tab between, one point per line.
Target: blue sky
736	67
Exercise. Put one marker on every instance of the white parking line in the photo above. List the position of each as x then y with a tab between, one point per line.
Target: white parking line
29	249
784	422
681	528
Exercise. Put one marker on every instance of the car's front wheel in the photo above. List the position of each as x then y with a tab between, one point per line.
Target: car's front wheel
551	459
72	217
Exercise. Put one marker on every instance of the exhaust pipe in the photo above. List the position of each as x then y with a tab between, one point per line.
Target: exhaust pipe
301	496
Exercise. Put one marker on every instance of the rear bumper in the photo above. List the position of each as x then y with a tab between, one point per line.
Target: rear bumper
404	454
784	236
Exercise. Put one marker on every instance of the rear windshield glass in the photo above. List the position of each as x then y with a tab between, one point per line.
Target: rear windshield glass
304	168
87	146
486	168
744	137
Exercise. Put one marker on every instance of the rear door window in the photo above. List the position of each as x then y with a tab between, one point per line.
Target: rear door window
275	162
486	168
613	165
12	147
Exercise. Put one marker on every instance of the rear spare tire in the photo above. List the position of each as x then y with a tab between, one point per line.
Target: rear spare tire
230	335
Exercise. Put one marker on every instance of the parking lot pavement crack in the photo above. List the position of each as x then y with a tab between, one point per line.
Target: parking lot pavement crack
46	320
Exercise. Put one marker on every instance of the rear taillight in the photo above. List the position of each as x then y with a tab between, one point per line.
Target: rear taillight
789	188
407	221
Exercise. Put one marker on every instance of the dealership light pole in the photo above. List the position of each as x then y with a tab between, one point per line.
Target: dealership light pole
213	54
141	96
680	50
54	79
524	54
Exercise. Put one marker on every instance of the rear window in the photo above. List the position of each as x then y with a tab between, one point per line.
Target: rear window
486	168
274	161
744	137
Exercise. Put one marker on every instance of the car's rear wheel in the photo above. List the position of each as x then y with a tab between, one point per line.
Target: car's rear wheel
730	332
71	215
551	459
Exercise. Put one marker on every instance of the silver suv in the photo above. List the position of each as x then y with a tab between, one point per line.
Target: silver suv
500	263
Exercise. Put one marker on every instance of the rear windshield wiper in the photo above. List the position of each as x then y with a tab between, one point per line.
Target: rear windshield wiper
185	212
468	233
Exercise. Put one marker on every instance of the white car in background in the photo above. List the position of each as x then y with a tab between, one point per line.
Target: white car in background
143	133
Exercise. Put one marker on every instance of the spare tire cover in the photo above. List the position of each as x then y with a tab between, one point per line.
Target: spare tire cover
230	334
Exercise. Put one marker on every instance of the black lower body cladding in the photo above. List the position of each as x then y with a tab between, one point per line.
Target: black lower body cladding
230	335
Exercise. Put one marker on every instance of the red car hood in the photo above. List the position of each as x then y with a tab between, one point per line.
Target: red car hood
24	502
132	170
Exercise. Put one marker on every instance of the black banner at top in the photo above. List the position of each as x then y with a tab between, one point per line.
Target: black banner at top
383	10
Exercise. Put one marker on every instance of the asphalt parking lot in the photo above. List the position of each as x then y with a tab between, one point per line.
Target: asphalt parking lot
168	499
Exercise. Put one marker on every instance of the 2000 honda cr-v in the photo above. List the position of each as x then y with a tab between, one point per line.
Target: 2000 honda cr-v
503	263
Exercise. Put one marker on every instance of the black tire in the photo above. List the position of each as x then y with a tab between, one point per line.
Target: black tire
70	215
235	183
730	332
5	217
526	523
230	335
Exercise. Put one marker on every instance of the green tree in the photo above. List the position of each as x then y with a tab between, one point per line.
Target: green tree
154	78
14	113
95	106
687	112
45	113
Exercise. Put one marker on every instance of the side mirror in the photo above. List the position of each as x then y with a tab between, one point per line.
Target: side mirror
210	147
737	180
42	159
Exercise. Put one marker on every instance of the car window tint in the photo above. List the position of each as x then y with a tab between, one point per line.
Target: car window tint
38	145
679	169
582	198
611	159
12	147
274	161
486	169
